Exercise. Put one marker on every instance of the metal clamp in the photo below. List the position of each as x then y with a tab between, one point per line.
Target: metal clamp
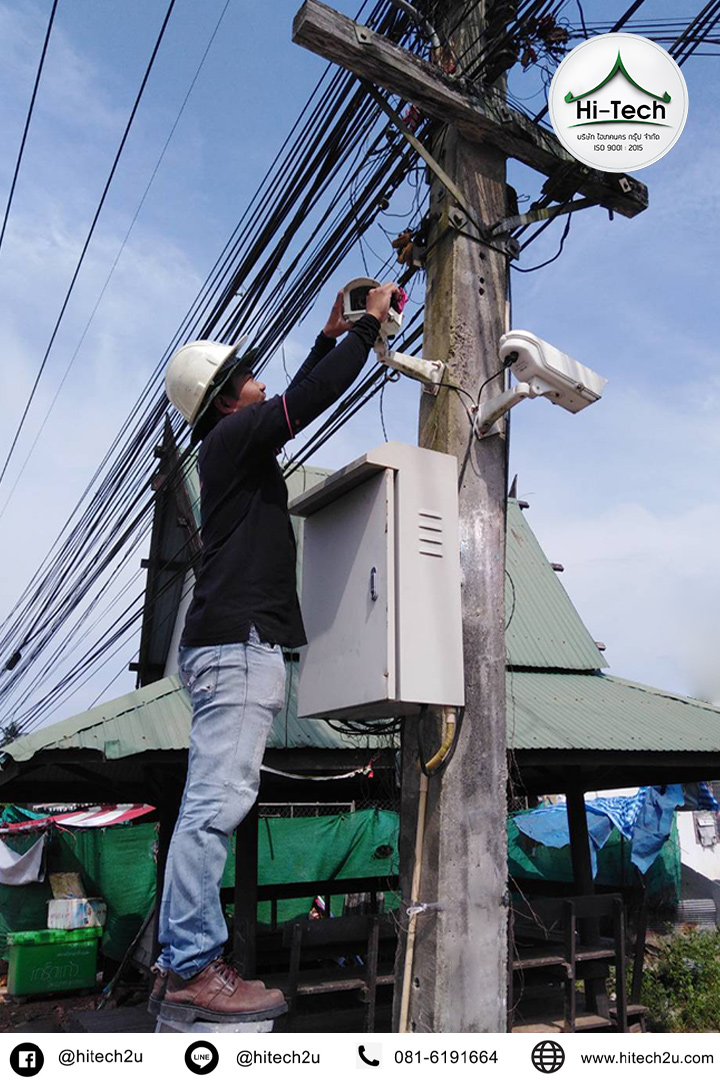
465	226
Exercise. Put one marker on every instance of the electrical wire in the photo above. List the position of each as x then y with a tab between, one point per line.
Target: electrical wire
27	121
558	253
113	268
300	219
63	600
86	245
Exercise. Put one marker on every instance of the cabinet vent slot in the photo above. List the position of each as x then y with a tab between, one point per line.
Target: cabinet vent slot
430	533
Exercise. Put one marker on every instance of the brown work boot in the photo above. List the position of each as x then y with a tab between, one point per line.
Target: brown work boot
158	990
157	994
218	993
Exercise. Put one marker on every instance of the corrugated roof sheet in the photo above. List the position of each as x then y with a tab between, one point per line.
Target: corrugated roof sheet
544	712
543	628
600	712
157	717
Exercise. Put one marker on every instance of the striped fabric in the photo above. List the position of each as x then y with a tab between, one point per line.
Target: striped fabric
95	818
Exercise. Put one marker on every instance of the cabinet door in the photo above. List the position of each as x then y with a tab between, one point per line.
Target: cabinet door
348	603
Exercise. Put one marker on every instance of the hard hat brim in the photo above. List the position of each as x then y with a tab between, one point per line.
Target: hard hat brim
220	379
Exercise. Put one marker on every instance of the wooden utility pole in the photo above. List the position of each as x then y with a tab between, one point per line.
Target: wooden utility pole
458	975
459	971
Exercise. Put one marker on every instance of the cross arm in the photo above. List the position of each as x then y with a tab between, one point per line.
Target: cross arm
480	117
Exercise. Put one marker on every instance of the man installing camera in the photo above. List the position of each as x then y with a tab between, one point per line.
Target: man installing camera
244	611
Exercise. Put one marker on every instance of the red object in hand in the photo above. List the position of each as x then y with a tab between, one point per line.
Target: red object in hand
400	299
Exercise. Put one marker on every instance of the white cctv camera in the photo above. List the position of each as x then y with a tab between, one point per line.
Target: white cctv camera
549	372
354	300
428	372
541	371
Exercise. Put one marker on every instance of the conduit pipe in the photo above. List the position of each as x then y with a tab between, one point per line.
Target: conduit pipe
449	728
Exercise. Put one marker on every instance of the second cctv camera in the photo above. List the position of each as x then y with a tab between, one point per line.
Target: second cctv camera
541	371
549	372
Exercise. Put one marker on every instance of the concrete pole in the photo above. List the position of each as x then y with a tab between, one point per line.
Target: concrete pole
460	961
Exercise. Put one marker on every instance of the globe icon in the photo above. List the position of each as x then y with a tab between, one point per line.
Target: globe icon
548	1056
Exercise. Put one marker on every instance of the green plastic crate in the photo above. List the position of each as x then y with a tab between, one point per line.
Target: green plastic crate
45	961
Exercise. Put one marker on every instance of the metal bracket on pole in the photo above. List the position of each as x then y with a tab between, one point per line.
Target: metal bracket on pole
427	157
428	372
459	221
489	414
540	214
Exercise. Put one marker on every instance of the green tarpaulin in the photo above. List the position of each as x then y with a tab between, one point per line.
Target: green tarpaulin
531	861
363	844
118	865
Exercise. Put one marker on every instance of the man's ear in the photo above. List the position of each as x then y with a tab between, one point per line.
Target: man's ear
225	404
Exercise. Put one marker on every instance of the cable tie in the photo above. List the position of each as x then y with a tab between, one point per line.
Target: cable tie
422	909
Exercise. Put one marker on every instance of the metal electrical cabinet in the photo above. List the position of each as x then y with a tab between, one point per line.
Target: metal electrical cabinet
381	587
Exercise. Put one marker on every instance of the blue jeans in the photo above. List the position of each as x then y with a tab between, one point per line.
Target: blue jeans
236	693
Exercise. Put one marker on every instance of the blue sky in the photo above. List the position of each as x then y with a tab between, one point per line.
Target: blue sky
625	495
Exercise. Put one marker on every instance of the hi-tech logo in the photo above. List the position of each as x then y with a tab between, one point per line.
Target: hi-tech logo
633	109
619	111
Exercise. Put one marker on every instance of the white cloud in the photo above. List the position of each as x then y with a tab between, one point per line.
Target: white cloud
632	513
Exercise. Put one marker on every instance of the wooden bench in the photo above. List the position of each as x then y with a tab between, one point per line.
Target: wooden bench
323	960
564	934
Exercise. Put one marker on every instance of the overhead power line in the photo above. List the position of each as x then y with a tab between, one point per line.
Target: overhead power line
121	249
116	505
27	121
87	240
333	176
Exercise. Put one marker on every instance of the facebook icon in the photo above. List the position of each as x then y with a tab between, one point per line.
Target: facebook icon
26	1059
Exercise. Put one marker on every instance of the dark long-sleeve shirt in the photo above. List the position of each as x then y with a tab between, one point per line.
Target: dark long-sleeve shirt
247	571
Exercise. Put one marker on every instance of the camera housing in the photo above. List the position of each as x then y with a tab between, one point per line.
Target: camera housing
354	299
549	372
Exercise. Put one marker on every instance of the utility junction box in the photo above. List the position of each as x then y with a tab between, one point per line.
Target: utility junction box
381	587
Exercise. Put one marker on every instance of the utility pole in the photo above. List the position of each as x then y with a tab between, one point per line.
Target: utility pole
459	970
458	951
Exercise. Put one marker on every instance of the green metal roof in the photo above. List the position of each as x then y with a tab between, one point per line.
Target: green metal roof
545	711
543	628
564	704
601	712
157	717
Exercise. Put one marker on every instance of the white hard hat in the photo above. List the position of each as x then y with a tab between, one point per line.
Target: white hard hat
191	373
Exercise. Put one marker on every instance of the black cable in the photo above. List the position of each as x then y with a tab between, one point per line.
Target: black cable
67	551
27	121
309	176
117	257
87	241
618	25
423	754
487	382
514	600
558	253
380	405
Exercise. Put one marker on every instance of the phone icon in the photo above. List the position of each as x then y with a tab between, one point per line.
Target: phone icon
373	1062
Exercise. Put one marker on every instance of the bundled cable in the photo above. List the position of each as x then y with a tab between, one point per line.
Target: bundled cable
337	170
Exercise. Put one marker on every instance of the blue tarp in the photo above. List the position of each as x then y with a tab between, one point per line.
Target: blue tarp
644	819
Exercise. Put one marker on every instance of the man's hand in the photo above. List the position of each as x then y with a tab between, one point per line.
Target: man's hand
379	300
336	324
